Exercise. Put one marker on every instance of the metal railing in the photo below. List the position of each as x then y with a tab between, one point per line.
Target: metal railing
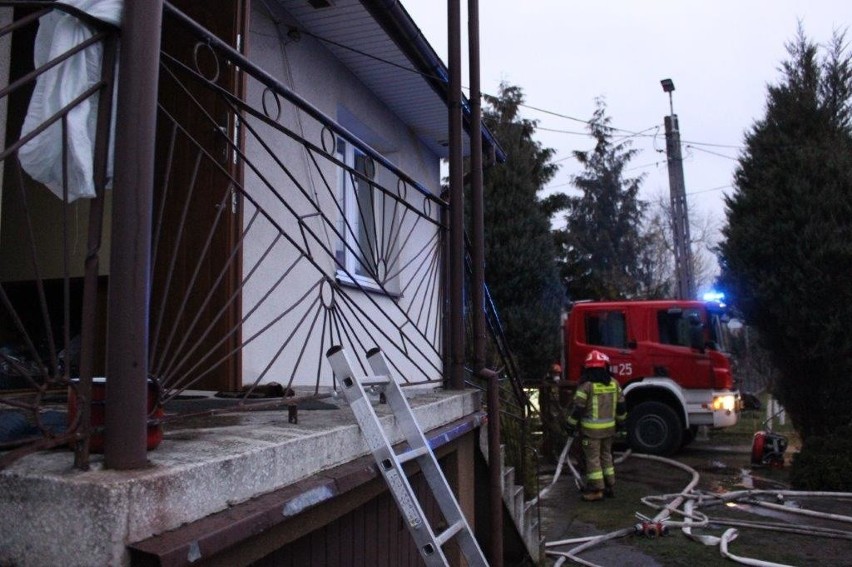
277	234
337	245
49	252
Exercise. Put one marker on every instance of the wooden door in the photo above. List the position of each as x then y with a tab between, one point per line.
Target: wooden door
195	306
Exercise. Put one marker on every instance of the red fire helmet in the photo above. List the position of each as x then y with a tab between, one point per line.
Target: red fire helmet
596	359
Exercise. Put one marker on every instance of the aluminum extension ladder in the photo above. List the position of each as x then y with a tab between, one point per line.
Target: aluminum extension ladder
390	463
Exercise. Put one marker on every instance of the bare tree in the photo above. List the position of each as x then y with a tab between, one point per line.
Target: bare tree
658	229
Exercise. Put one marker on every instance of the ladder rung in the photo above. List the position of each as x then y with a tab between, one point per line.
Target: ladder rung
448	533
374	381
412	454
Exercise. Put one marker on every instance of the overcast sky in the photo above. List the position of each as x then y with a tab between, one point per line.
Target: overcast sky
720	54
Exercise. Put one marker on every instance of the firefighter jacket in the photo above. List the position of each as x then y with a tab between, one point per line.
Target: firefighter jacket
598	406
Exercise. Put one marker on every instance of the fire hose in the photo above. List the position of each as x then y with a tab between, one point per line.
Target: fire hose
693	518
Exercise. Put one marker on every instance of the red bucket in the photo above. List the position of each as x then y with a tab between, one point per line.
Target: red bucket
96	443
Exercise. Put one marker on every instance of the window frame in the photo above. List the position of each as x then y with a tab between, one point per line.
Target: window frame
357	212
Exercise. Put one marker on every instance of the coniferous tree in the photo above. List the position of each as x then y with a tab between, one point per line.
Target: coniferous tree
603	253
787	249
520	257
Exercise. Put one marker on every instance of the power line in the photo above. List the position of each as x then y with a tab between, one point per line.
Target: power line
548	188
712	153
713	145
444	80
631	133
719	188
586	134
645	165
587	122
570	156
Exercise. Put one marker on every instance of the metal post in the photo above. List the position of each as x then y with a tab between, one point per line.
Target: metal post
446	354
457	343
92	263
129	281
495	482
477	200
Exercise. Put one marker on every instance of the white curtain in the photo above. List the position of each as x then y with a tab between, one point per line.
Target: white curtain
41	157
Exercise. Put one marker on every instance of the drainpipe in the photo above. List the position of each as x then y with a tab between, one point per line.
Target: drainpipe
129	280
477	201
457	343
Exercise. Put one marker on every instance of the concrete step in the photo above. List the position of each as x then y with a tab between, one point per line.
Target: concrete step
519	509
508	479
531	536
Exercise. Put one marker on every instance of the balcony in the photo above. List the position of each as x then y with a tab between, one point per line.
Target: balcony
279	222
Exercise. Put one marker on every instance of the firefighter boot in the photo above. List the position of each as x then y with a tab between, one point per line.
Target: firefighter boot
593	495
609	492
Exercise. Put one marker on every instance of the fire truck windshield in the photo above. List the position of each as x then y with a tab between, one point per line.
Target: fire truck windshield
719	333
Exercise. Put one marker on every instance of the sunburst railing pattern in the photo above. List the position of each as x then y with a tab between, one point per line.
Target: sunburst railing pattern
277	234
329	243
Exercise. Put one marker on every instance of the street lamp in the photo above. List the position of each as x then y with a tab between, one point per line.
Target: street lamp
668	87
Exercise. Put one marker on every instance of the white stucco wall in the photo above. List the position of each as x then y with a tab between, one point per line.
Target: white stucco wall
308	69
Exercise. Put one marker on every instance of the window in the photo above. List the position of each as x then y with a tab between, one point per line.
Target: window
675	325
606	328
356	250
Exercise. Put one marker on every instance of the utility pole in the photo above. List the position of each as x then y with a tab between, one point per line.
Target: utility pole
680	213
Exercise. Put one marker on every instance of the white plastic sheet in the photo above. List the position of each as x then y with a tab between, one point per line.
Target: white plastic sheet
41	157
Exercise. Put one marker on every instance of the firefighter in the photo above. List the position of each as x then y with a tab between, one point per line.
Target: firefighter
599	409
555	372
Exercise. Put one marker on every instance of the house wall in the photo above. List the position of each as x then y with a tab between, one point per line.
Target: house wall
307	68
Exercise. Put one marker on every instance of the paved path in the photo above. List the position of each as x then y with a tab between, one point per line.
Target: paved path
558	523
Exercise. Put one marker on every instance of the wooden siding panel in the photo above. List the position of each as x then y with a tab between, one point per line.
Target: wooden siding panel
370	536
345	549
373	534
358	520
319	542
382	529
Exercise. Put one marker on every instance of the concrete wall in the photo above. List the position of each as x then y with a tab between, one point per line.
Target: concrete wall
51	514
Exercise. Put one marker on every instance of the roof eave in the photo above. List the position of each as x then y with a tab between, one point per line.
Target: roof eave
400	27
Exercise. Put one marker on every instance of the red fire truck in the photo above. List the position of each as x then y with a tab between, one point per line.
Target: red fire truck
670	358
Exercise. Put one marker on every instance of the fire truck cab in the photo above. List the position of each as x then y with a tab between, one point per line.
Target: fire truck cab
670	356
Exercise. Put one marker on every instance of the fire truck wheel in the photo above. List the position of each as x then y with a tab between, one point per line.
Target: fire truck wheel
654	428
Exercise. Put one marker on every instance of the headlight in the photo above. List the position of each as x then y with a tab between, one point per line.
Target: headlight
727	402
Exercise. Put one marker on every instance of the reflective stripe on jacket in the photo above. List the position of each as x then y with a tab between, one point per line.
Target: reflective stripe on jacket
595	408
